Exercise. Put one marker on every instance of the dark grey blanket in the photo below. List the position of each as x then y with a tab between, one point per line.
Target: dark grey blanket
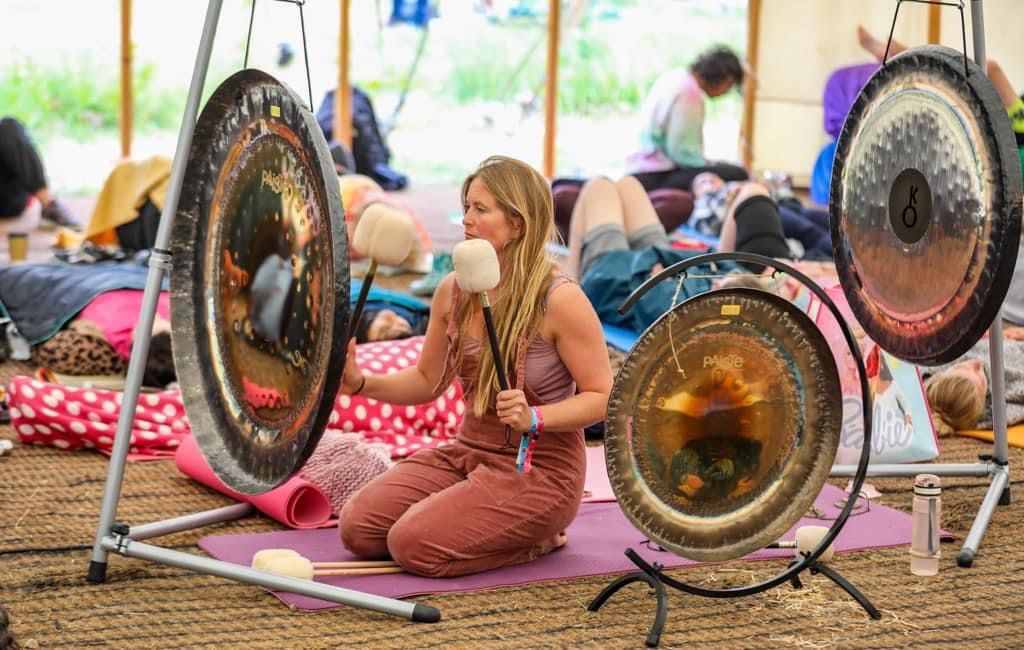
41	298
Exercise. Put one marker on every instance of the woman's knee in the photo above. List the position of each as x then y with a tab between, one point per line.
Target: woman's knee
749	189
359	533
598	185
630	185
416	552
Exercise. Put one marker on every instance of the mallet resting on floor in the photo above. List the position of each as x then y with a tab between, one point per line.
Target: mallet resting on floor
285	561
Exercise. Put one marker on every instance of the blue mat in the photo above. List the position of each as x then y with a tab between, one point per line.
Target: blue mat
690	232
619	338
376	294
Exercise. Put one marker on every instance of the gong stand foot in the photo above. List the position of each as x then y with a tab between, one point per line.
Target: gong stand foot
816	567
652	575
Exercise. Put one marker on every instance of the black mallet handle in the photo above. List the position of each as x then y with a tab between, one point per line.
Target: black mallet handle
499	363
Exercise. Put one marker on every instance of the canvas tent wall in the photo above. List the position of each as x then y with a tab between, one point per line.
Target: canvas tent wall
798	43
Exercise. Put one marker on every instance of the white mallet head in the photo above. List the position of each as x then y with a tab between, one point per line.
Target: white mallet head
294	567
808	537
476	265
261	559
384	234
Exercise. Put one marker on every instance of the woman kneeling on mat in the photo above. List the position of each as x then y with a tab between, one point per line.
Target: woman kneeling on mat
466	507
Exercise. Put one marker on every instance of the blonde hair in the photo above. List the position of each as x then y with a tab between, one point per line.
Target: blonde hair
525	198
955	402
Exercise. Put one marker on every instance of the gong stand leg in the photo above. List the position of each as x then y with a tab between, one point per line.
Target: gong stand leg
112	536
124	545
847	586
159	262
649	574
192	521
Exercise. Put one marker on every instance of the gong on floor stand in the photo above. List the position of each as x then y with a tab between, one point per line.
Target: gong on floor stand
722	425
999	167
116	537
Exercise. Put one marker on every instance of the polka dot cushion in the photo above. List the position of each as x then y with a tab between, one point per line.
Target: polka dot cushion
404	429
75	418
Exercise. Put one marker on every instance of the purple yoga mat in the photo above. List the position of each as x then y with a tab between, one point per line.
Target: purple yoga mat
598	539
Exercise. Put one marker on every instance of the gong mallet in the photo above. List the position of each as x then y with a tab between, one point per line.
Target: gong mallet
477	271
385	235
288	562
808	537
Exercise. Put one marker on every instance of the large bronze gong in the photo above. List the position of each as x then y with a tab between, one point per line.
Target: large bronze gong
259	284
723	423
926	205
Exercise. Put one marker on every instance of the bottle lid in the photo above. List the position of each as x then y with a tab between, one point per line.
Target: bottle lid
927	485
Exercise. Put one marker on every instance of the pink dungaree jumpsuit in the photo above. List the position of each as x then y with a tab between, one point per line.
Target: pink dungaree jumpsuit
464	508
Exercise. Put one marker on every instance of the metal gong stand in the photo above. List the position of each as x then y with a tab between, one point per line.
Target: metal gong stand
995	466
652	573
116	537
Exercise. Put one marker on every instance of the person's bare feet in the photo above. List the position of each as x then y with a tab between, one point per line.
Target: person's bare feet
550	544
561	539
874	46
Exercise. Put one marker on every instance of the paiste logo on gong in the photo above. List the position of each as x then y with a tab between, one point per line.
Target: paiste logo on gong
726	361
282	184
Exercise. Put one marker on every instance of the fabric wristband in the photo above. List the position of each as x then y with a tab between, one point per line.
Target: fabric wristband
537	426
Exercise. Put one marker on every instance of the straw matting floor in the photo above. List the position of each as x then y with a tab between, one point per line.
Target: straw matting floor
50	501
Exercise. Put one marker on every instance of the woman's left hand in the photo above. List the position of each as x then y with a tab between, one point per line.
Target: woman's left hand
513	410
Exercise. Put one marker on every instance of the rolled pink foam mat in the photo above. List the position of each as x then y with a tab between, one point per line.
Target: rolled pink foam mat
296	503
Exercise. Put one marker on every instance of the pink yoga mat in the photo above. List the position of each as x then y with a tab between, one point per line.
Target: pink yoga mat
297	503
597	487
598	539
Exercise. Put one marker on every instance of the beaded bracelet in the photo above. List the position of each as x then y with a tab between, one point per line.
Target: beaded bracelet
524	459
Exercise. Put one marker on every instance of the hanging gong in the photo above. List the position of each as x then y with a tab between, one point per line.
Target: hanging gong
723	423
259	284
925	205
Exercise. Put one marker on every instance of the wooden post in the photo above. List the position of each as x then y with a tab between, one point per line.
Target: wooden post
343	95
934	23
126	78
750	83
551	88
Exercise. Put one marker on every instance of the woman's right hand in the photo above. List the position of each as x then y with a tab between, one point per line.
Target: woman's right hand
353	378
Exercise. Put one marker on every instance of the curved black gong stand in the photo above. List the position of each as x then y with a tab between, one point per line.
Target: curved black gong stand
652	573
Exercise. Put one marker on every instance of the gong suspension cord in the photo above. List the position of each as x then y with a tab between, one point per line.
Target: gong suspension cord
959	4
305	49
683	277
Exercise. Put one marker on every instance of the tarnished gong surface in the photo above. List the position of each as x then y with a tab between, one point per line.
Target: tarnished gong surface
716	449
259	285
926	205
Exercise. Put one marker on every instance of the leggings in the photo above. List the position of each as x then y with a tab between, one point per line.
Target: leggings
681	178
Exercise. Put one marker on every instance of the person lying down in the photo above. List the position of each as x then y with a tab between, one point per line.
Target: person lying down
617	242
